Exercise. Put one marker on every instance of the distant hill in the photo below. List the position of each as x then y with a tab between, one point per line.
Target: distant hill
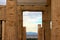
31	33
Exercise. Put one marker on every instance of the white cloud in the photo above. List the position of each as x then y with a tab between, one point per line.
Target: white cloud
32	28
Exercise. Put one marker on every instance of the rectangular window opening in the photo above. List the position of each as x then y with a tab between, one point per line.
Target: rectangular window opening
31	20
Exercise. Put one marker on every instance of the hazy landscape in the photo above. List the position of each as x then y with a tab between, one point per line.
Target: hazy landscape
31	35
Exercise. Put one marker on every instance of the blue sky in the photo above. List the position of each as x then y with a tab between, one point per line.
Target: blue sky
2	2
31	20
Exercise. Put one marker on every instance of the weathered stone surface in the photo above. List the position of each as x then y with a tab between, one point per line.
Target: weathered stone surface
24	33
2	12
47	30
55	13
39	32
11	28
12	15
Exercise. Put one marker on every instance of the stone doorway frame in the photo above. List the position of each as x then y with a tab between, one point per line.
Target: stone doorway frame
31	8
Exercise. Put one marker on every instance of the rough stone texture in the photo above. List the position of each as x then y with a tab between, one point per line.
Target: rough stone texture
14	19
55	13
2	12
24	33
11	28
19	22
14	22
47	30
43	34
39	32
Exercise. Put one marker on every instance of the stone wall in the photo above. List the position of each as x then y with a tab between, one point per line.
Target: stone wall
24	33
40	32
11	25
12	14
55	15
2	12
